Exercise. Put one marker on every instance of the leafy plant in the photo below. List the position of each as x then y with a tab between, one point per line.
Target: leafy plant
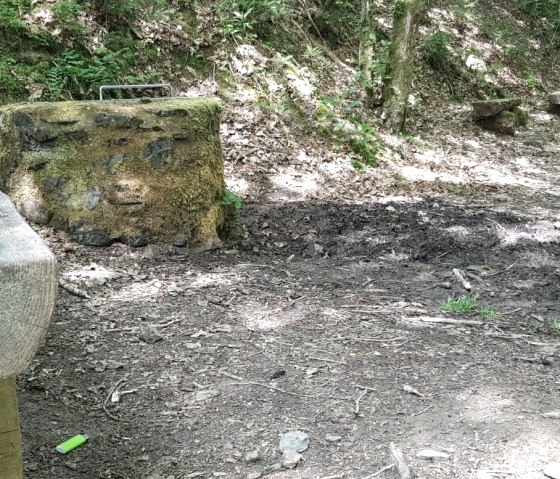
554	325
487	312
242	18
533	83
231	199
468	304
546	16
355	133
436	51
75	76
463	304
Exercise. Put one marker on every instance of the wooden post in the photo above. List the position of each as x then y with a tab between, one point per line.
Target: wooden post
10	436
28	285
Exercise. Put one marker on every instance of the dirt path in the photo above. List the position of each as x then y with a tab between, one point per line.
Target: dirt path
329	292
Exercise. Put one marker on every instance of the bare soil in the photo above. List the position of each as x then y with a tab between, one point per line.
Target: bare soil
330	284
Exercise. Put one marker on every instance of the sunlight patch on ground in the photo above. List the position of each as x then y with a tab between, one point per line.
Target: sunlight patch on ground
486	404
239	186
413	173
537	232
526	453
261	317
296	181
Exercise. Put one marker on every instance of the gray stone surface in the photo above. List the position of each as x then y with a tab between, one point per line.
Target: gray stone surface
291	459
90	236
158	153
296	441
554	98
112	162
488	108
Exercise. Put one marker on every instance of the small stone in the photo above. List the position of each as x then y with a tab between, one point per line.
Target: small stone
554	98
552	469
332	438
136	240
296	441
159	153
149	334
253	456
180	241
68	247
254	475
112	162
92	197
534	143
206	394
221	328
431	454
291	459
273	468
90	236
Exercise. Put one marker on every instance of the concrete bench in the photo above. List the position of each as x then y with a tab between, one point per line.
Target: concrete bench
28	285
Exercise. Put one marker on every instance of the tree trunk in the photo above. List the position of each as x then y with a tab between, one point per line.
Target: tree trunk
407	16
10	435
368	40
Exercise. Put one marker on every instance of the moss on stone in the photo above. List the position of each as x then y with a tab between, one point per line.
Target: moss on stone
178	192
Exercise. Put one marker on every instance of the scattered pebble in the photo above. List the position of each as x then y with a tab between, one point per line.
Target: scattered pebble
254	475
552	415
149	334
296	441
278	374
221	328
206	394
252	456
291	459
332	438
431	454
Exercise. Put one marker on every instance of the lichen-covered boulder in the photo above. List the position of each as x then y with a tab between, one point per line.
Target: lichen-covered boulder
489	108
554	102
137	171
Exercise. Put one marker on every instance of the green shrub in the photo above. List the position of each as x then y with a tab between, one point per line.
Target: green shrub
74	76
436	51
241	18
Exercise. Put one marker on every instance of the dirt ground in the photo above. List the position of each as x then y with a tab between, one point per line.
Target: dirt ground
337	282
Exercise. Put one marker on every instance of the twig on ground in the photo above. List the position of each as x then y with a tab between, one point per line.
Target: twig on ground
366	388
427	319
111	391
422	411
461	277
73	289
503	271
381	471
402	466
289	393
231	376
169	323
411	390
358	399
328	360
371	340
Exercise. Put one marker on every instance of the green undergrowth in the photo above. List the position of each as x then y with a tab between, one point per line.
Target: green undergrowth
469	304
